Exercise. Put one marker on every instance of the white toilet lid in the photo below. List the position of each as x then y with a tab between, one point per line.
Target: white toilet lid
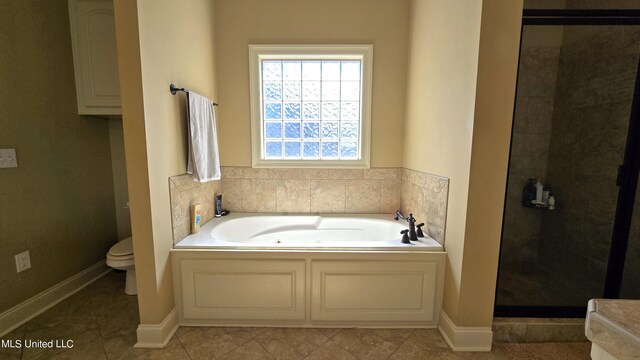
121	248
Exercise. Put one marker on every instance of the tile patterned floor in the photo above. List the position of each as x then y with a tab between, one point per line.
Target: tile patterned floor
101	320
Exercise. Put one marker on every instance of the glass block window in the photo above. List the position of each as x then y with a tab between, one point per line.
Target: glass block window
310	105
301	97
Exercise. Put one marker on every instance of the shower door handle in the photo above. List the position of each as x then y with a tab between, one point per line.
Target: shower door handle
622	174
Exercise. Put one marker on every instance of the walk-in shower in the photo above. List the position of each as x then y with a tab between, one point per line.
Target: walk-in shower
576	130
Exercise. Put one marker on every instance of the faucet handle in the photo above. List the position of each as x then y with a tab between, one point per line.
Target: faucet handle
411	219
405	236
419	230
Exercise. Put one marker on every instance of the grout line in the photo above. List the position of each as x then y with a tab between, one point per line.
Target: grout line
182	344
396	349
263	348
235	348
324	342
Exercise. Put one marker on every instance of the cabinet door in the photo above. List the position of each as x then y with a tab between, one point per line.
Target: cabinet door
242	289
376	291
94	50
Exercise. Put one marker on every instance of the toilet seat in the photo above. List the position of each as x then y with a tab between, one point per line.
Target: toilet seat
120	257
122	248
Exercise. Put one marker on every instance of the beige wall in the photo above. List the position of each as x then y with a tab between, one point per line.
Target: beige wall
175	43
440	110
383	23
58	202
495	94
119	169
458	119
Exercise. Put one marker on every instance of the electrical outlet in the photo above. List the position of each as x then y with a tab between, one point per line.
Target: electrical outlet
8	158
23	261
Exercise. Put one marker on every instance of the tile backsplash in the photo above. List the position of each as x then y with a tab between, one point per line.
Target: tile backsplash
426	195
368	191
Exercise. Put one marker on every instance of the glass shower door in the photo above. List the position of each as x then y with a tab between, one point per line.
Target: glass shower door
573	105
630	288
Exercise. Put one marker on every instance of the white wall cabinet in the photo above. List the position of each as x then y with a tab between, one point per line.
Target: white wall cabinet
93	37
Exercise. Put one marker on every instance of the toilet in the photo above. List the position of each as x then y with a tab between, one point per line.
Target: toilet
120	257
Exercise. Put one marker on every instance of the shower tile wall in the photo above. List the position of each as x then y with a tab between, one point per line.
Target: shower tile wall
596	77
572	111
529	155
369	191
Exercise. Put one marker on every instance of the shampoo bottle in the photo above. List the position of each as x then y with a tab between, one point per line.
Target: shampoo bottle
196	218
539	191
529	193
219	205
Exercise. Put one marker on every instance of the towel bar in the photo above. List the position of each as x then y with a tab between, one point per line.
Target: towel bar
174	90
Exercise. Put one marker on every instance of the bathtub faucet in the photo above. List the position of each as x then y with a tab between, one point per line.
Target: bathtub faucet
413	236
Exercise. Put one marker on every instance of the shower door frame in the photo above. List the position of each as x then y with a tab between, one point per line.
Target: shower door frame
627	175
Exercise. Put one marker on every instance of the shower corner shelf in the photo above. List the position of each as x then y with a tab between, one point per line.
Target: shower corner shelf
541	206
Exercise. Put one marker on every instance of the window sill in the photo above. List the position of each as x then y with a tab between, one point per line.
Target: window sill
317	164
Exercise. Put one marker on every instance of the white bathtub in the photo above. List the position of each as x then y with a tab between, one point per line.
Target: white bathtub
307	271
297	232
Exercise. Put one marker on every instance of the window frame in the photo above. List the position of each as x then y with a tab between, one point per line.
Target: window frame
257	53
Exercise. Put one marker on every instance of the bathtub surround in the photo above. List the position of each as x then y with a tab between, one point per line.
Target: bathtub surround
370	191
59	202
185	192
345	271
426	195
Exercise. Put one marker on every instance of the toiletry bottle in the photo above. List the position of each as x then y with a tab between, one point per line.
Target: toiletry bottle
196	218
552	203
529	193
539	191
546	192
219	205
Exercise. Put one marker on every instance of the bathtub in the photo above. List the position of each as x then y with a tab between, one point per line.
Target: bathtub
299	232
307	271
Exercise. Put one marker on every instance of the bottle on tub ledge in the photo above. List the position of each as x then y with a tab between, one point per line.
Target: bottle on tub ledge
219	210
196	218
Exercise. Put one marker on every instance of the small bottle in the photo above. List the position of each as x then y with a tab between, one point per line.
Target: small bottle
219	205
539	191
552	203
196	218
529	193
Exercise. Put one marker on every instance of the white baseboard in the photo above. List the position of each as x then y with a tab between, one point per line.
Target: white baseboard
157	335
465	338
27	310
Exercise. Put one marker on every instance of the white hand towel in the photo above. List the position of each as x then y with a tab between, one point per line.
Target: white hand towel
204	162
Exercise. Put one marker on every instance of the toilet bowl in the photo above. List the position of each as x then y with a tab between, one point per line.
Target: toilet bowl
120	257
